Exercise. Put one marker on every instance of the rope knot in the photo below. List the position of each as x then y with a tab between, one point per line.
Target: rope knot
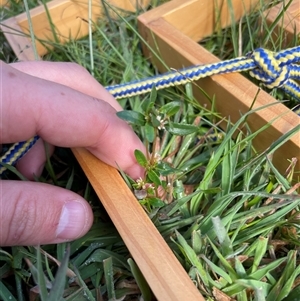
272	72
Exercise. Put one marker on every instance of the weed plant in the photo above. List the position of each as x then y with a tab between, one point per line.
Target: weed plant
229	216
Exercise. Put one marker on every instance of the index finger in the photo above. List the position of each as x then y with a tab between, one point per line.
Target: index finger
66	117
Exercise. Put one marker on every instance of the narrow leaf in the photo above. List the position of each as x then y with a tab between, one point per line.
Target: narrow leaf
147	105
218	270
109	279
140	158
149	132
181	129
154	177
192	256
41	278
57	290
133	117
259	252
156	202
140	280
5	294
153	94
293	295
222	235
170	108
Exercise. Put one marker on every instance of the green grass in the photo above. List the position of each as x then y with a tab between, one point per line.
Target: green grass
229	216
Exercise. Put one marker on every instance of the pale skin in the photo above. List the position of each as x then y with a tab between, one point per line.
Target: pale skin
65	106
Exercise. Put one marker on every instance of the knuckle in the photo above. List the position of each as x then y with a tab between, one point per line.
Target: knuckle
23	222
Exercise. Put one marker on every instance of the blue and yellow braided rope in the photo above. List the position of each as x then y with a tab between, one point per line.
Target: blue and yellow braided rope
274	70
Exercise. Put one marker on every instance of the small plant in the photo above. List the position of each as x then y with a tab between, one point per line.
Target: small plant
217	205
171	133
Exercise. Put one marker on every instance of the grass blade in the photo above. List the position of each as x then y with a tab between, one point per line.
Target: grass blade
58	287
109	278
140	280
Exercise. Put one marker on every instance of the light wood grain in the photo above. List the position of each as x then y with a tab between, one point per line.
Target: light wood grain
163	272
70	18
4	3
234	94
199	18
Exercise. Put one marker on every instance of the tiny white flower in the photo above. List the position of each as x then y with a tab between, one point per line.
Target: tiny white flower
161	121
157	157
140	184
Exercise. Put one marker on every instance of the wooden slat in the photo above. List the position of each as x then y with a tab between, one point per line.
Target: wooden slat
199	19
4	3
163	272
234	93
69	18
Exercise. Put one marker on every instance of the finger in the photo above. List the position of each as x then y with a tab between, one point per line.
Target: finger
32	164
36	213
65	117
68	74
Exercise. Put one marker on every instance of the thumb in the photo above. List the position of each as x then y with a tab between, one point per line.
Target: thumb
37	213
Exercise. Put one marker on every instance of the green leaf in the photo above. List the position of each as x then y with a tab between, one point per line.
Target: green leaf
165	169
5	294
180	128
109	278
263	271
153	94
253	284
217	270
293	295
140	280
222	235
147	105
193	258
133	117
240	270
288	285
102	242
154	177
100	255
149	132
259	253
259	294
279	290
155	122
196	241
224	262
181	202
58	287
41	278
140	158
156	202
170	108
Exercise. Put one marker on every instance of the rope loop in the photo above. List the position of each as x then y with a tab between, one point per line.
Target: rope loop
272	72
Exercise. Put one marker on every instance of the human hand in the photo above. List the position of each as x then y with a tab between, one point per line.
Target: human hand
65	106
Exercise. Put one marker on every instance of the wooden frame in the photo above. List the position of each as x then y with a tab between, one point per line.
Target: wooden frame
70	18
174	38
172	28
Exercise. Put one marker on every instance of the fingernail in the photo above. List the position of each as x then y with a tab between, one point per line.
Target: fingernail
72	221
